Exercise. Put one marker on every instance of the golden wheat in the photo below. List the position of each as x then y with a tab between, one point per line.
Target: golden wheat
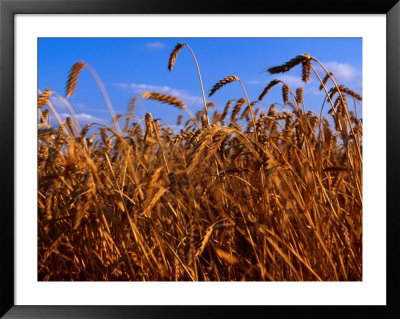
73	77
280	202
221	83
164	98
43	98
174	54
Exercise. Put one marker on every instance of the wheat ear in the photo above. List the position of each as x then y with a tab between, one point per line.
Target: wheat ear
171	64
174	54
73	77
221	83
288	65
164	98
268	88
43	98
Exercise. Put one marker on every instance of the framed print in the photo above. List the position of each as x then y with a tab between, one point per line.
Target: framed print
168	159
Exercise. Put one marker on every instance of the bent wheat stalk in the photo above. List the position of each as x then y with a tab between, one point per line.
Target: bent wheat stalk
171	64
342	100
71	85
230	79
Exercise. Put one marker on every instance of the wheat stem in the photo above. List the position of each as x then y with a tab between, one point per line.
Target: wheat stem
105	95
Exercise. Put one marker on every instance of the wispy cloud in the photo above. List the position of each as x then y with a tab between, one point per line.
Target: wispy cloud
291	80
84	118
58	104
252	82
154	45
140	88
314	90
342	71
81	107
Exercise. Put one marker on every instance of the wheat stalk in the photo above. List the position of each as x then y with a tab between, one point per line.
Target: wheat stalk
325	80
171	64
205	240
132	207
299	96
73	77
346	90
285	93
288	65
221	83
43	98
268	88
174	54
306	70
164	98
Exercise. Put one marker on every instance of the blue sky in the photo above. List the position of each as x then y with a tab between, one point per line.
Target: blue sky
130	66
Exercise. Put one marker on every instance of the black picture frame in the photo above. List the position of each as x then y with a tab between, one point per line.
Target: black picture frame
8	8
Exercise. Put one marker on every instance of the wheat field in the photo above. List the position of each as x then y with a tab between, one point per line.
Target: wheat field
240	195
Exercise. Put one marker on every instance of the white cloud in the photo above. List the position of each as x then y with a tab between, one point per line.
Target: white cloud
83	118
314	90
58	104
154	45
87	118
181	94
252	82
80	107
291	80
122	85
342	71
